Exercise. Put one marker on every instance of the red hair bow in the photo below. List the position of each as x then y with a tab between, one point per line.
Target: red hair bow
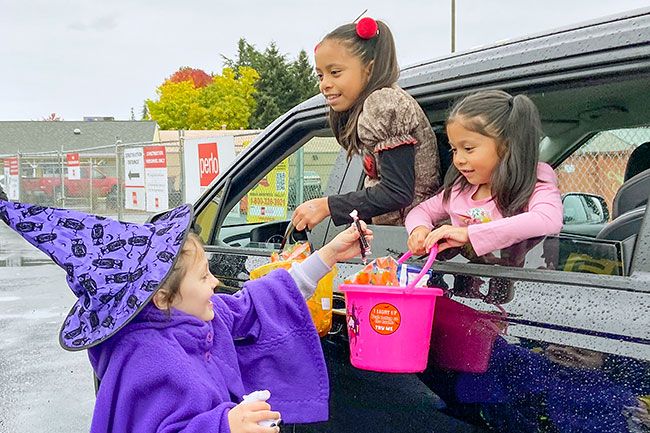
367	28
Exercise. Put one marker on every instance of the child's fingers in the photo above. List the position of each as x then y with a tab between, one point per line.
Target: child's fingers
352	230
431	240
412	244
255	406
264	415
415	243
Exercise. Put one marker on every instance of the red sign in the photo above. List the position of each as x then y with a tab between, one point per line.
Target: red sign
155	157
72	159
13	166
208	162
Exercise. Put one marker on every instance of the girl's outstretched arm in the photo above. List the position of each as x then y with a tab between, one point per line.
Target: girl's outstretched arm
544	217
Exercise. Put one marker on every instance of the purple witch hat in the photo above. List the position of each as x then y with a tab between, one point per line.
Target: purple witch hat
113	267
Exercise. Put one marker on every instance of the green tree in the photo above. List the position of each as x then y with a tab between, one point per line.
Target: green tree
275	88
282	84
227	100
145	112
306	82
247	55
177	103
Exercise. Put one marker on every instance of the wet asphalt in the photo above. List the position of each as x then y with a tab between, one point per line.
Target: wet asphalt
43	388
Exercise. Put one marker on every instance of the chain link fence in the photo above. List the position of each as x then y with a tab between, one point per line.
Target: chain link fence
97	180
598	167
101	183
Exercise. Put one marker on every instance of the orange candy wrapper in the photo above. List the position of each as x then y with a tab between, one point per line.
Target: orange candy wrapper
298	252
380	272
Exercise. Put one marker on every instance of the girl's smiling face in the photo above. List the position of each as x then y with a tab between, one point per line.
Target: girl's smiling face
476	156
196	290
342	75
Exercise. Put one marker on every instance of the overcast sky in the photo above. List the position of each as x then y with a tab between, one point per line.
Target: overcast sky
100	58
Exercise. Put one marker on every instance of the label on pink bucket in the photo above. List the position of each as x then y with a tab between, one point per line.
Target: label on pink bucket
385	318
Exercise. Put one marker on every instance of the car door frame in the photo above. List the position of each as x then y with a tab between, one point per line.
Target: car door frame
604	52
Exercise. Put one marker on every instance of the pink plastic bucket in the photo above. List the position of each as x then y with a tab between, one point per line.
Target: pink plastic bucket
389	327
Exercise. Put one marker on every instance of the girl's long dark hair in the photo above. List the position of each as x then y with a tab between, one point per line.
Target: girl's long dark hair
515	125
385	72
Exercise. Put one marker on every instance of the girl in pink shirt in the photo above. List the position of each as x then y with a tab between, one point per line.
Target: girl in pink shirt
496	193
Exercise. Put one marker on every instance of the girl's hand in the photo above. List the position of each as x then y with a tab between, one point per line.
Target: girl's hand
244	418
416	240
345	245
449	235
310	213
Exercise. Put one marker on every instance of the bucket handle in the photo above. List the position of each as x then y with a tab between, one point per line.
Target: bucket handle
432	256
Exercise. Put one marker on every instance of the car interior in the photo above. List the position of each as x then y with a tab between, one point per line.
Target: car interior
572	114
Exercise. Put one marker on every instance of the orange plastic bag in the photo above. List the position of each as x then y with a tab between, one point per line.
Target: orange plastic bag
320	304
380	272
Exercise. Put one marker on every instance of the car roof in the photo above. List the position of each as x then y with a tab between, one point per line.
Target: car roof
626	34
599	35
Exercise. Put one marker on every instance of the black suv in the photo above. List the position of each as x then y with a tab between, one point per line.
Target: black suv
571	349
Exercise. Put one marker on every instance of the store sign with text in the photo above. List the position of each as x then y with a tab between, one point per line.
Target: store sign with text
156	182
204	160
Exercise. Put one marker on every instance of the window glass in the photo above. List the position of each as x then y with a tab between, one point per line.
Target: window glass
260	218
204	224
598	166
588	139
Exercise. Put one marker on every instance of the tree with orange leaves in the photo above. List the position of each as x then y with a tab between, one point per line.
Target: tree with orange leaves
197	76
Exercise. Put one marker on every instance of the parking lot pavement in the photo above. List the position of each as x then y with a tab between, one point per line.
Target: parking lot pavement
43	388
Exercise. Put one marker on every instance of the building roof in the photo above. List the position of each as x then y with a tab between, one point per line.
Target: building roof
173	134
42	136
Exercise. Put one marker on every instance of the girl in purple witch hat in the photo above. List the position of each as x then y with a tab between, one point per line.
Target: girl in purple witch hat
183	361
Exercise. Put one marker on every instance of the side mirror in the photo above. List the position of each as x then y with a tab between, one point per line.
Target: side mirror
583	208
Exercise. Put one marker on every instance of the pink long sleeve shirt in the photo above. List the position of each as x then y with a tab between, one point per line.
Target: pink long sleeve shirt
488	230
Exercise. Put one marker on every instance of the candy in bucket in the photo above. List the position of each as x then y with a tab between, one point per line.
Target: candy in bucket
389	325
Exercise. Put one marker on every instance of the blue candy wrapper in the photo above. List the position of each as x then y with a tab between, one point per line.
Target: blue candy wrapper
408	273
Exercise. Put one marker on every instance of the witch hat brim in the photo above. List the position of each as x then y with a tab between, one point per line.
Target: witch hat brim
113	267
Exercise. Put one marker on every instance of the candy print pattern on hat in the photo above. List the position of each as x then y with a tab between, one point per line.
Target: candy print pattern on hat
113	267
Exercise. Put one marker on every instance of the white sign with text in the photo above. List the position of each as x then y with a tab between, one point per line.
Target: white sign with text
204	160
134	187
156	182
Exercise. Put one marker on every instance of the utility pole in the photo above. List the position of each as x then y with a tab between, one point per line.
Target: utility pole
453	26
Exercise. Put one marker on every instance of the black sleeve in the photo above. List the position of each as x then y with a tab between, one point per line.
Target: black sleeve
394	191
3	196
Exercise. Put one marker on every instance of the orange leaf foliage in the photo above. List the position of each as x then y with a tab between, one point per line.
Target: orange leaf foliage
197	76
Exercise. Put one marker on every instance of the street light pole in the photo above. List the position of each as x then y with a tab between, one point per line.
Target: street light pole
453	26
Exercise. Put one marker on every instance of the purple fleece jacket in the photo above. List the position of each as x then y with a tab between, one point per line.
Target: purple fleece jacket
162	374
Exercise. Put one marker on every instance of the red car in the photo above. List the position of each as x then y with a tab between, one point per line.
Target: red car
49	188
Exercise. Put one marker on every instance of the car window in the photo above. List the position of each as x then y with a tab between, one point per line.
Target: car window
259	218
596	169
590	132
